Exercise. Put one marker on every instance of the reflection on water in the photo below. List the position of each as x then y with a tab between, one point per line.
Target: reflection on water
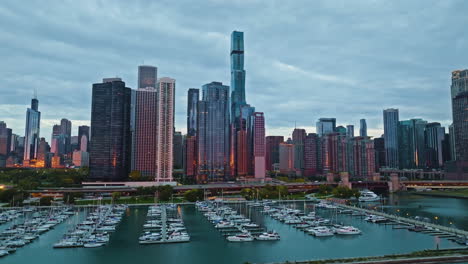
209	246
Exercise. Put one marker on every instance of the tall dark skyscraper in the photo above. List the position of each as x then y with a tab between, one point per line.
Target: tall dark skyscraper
350	131
411	144
460	125
311	155
272	151
178	150
66	126
110	127
391	119
434	137
213	133
83	138
192	112
147	76
379	147
5	140
363	128
237	73
298	138
31	134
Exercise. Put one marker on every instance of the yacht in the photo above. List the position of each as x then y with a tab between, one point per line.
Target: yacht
368	196
68	244
347	230
320	231
178	237
243	237
376	219
93	244
3	253
268	236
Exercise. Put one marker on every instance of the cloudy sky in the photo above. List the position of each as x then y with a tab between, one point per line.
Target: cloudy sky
304	59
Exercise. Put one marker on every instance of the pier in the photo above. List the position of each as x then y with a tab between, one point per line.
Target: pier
411	222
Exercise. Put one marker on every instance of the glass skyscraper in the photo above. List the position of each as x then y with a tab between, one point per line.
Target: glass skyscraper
391	118
110	128
31	134
237	73
192	105
363	128
213	133
325	126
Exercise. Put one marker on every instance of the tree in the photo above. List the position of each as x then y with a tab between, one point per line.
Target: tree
135	175
165	192
325	189
194	195
45	201
116	196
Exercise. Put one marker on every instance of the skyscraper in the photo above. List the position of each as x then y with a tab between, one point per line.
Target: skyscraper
286	157
379	147
434	136
192	106
5	139
311	155
459	82
147	76
237	73
178	150
272	151
66	127
83	138
391	119
349	131
460	125
325	126
411	144
165	129
298	138
259	145
213	133
145	132
363	128
361	158
110	127
31	134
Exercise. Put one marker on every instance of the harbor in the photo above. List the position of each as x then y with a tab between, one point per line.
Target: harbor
208	245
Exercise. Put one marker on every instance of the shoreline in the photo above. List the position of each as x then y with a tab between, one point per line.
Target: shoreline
440	195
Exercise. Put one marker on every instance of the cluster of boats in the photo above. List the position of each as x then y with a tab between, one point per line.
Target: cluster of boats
95	230
33	224
224	218
309	223
9	215
163	226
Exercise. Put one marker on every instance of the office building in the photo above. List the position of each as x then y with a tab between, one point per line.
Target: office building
31	134
83	138
311	155
363	128
391	119
272	151
110	147
259	145
349	131
192	111
325	126
286	157
298	138
213	133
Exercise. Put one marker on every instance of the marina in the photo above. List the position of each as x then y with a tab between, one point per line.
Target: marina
207	245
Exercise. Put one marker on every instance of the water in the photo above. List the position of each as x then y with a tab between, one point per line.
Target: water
208	246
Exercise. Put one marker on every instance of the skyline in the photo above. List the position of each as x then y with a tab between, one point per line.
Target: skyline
53	62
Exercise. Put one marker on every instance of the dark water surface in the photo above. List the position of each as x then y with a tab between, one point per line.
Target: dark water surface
209	246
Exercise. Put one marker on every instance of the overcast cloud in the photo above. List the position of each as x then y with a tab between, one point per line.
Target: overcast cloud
304	59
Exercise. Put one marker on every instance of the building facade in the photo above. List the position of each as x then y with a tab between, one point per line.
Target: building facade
259	146
31	134
110	127
325	126
391	119
272	151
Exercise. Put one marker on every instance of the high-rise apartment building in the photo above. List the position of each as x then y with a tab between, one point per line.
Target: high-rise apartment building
349	131
311	155
259	145
391	119
460	125
110	128
178	144
434	136
286	157
165	129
